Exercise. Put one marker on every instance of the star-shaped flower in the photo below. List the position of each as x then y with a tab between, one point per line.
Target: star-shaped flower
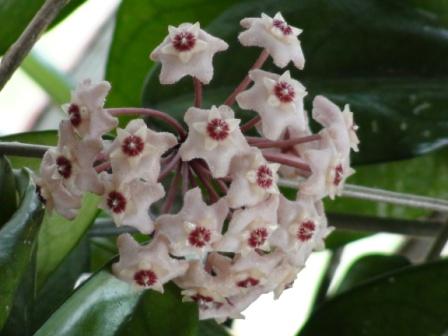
302	229
129	202
147	266
187	50
86	112
137	150
197	226
214	136
277	99
250	228
282	277
276	36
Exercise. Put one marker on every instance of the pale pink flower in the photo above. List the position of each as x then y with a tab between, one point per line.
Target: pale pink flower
250	228
196	227
214	136
129	202
282	277
137	150
276	36
146	266
187	50
253	179
86	112
277	99
301	229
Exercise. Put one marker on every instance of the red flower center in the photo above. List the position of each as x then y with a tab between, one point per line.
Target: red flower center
132	145
257	237
282	26
74	114
145	278
206	302
284	92
199	237
218	129
249	282
338	174
116	202
64	167
264	177
306	230
184	41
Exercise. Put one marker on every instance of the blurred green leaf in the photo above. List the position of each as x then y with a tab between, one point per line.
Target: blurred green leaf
17	241
339	238
369	267
58	236
8	195
410	301
352	56
140	27
211	328
101	251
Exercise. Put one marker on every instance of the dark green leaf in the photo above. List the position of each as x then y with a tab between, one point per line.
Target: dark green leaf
48	138
162	314
339	238
101	251
8	195
411	301
211	328
352	56
17	240
58	236
369	267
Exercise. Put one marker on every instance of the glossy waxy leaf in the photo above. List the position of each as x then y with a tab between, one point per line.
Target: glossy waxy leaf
8	195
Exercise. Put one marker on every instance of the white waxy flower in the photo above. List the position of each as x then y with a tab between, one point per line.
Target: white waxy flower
187	50
129	202
86	112
302	229
282	277
137	150
196	227
276	36
329	170
339	125
250	228
277	99
147	266
214	136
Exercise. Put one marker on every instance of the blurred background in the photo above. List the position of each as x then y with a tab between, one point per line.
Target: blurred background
388	59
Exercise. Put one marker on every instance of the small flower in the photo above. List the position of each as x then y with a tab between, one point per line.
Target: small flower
282	277
147	266
214	136
302	229
196	227
250	228
276	36
86	112
137	150
277	99
187	50
129	202
253	179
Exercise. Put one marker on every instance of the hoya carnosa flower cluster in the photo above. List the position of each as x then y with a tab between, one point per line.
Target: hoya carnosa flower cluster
236	236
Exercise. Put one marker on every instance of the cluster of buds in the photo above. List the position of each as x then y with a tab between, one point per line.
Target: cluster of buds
236	236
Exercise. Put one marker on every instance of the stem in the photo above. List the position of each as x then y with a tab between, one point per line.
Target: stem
185	177
246	81
287	160
251	123
17	52
283	143
150	113
191	178
22	149
171	193
197	92
205	181
439	243
169	167
102	167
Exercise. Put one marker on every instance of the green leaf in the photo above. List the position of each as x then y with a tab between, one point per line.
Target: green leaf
162	314
211	328
339	238
140	27
48	138
101	251
410	301
369	267
17	241
352	56
8	195
97	308
58	236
